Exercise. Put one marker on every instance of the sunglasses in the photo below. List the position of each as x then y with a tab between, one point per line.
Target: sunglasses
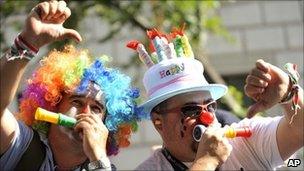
194	110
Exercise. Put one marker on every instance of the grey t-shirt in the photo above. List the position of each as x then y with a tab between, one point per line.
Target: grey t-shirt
22	138
21	141
259	152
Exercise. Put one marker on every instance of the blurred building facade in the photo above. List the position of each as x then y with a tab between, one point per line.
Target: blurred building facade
271	30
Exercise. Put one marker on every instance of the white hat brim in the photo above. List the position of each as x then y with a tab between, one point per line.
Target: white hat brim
216	91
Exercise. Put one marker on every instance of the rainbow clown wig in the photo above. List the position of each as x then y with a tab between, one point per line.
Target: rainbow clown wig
72	70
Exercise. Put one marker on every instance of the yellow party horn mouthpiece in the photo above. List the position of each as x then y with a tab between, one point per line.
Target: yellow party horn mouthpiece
55	118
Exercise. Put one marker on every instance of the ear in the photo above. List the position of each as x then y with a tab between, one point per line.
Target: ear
157	120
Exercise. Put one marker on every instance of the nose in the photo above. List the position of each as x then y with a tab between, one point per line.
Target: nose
86	109
206	117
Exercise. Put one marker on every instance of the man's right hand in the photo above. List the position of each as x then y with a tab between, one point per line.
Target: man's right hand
94	135
45	24
213	150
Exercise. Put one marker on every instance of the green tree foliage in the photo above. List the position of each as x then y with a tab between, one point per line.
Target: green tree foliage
200	17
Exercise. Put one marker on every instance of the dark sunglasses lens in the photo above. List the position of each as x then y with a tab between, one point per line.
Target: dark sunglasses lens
191	111
212	107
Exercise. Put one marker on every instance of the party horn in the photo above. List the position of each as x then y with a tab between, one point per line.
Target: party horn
230	132
55	118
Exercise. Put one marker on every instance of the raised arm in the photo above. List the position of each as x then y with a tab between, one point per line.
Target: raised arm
268	85
43	25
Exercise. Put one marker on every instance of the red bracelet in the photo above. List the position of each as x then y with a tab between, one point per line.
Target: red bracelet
21	50
24	44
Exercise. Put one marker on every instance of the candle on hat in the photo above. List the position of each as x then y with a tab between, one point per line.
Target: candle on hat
178	46
168	48
143	54
159	48
154	57
155	37
184	42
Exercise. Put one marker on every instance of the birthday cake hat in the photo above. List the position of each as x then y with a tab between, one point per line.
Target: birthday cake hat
172	68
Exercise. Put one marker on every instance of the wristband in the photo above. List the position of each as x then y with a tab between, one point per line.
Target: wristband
293	94
290	94
21	50
102	164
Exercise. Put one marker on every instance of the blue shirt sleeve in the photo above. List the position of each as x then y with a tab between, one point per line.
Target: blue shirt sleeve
22	138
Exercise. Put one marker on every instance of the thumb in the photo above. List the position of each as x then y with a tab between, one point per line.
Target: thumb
255	108
71	34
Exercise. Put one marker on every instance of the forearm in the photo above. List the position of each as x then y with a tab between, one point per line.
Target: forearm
11	74
290	134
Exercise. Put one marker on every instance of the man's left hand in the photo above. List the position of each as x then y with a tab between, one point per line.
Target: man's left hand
267	85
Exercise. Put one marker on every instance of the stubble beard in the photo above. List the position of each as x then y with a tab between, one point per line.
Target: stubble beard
194	146
71	134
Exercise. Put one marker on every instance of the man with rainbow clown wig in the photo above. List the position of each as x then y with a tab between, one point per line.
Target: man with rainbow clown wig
182	107
90	109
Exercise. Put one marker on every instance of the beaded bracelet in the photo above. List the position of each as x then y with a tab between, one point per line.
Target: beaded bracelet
293	94
21	49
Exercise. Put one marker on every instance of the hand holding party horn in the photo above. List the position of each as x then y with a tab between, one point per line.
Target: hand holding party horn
55	118
230	132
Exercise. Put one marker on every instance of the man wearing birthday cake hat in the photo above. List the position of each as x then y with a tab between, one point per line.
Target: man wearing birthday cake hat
97	105
182	104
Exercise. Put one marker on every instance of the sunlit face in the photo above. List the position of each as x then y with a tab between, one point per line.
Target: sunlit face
73	104
177	129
